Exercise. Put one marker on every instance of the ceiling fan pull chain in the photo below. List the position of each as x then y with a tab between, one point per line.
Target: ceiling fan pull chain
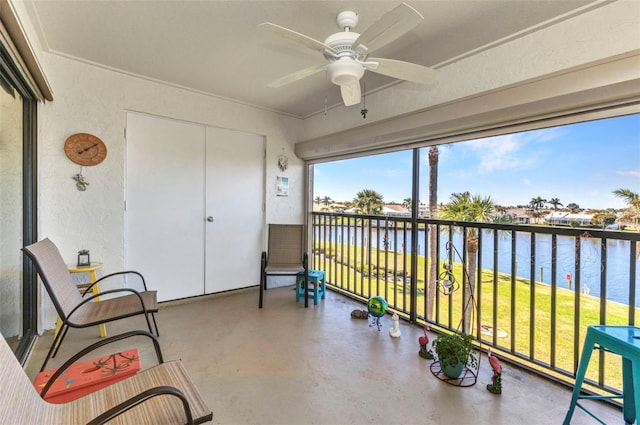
364	109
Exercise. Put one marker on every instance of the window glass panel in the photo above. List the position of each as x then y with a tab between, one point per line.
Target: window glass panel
575	166
11	216
337	183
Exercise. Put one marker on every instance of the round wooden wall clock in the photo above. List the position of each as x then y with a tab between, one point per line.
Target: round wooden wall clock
85	149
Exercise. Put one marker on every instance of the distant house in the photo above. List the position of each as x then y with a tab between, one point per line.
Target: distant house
518	215
395	210
390	210
567	218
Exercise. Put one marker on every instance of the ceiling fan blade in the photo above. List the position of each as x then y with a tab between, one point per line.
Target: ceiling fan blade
404	70
298	75
351	93
297	37
387	28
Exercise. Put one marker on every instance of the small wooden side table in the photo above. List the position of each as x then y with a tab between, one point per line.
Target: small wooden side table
91	269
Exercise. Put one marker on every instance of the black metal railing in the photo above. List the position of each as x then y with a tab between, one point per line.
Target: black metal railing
533	290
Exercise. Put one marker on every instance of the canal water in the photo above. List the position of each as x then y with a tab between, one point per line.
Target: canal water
589	266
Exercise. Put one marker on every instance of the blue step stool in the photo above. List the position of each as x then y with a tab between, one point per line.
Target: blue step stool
621	340
317	286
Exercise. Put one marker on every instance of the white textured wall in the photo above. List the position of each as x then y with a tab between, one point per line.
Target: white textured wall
601	33
93	100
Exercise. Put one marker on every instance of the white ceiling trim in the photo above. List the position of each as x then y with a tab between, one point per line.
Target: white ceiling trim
169	84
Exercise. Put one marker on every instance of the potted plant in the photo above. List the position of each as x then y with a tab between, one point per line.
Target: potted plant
454	352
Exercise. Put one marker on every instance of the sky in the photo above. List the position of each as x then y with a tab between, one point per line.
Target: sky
579	163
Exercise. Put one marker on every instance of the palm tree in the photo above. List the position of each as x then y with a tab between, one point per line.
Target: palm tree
367	202
537	215
317	199
633	201
630	197
433	229
501	215
537	202
407	203
464	207
326	201
500	209
555	202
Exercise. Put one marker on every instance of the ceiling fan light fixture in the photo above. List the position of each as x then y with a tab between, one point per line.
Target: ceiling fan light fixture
347	52
345	71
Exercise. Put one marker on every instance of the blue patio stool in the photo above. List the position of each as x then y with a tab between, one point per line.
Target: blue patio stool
621	340
317	286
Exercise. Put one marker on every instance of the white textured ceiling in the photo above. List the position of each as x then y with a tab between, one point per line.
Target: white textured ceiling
214	47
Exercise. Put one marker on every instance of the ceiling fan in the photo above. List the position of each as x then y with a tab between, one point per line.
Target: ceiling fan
348	52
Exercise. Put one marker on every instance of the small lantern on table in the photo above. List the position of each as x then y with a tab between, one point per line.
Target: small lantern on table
83	258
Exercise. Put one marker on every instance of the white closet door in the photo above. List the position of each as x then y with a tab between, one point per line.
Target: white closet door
235	187
165	214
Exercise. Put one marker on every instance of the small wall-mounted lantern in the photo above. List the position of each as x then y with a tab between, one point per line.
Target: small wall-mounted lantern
83	258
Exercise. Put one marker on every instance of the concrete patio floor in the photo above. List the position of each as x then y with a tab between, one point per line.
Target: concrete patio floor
285	364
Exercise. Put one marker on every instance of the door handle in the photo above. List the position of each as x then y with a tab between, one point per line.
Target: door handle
210	219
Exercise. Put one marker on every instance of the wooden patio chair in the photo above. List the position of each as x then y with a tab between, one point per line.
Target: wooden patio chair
162	394
78	312
285	256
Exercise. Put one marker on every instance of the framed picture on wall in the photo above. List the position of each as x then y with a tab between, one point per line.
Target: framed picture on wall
282	186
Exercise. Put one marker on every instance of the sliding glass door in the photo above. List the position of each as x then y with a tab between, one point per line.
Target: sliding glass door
11	216
18	284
